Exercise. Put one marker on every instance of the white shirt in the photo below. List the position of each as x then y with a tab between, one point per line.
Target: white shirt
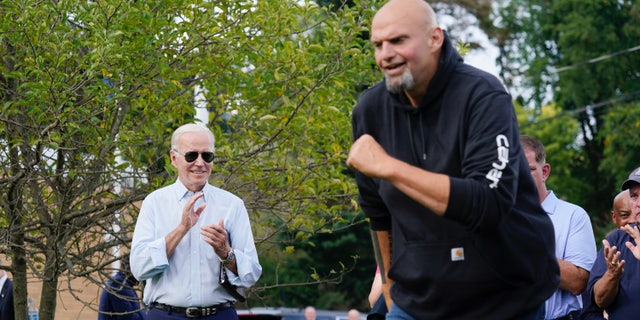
190	277
3	279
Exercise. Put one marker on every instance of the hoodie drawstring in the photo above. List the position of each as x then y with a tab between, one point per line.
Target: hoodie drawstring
412	142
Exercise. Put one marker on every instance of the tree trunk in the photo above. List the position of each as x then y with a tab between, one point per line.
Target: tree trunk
17	247
49	292
19	267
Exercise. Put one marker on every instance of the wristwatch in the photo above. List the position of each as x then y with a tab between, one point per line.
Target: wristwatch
230	258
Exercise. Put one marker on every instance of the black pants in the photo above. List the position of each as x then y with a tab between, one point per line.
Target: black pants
224	314
573	315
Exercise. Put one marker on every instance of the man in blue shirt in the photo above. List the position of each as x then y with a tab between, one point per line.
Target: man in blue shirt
575	243
621	215
188	234
6	296
119	300
614	283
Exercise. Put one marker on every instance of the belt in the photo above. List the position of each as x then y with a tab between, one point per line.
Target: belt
573	315
193	312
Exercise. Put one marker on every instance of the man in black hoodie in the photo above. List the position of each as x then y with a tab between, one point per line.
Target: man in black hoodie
456	221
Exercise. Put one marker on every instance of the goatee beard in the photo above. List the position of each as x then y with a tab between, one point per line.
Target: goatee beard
399	85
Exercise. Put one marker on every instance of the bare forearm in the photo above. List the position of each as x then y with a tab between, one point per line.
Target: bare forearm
376	290
572	278
605	290
173	239
233	266
382	250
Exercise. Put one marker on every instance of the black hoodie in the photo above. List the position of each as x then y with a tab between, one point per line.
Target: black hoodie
492	254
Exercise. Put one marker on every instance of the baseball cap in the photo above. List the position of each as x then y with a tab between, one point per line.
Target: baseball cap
634	177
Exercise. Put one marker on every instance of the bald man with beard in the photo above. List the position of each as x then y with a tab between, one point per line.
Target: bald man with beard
445	183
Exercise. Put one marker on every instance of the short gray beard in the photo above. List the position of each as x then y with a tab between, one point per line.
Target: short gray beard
395	85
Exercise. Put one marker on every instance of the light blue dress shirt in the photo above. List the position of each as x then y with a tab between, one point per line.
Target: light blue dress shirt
190	277
575	243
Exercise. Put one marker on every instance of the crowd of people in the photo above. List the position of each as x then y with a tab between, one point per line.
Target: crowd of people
574	239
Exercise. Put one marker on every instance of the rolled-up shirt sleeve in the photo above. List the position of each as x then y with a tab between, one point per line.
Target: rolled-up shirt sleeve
242	242
148	251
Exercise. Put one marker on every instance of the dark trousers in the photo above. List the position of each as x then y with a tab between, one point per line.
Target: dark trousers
536	313
573	315
224	314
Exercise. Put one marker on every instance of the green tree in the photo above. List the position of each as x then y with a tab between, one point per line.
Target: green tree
620	129
467	15
90	92
580	54
559	133
335	268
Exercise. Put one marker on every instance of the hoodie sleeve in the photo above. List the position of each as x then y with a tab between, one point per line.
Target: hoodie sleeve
491	163
369	198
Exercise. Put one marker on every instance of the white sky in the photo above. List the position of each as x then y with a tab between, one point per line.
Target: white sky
483	58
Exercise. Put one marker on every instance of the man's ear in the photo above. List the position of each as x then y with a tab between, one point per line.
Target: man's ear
437	37
546	171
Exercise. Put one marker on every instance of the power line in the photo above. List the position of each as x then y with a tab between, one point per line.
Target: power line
585	108
594	60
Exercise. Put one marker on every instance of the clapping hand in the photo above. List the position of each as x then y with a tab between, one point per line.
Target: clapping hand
190	215
612	257
632	230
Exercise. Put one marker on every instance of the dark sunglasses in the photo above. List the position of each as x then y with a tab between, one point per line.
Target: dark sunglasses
191	156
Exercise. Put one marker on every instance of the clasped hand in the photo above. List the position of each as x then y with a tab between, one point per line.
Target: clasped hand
216	236
368	157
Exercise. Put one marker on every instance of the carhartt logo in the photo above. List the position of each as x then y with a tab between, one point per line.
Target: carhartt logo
457	254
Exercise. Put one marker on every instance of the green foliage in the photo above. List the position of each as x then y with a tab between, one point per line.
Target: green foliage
559	133
577	54
91	91
330	270
622	124
579	49
620	128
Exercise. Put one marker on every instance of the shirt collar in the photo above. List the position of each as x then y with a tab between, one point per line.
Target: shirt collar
180	191
549	203
3	279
